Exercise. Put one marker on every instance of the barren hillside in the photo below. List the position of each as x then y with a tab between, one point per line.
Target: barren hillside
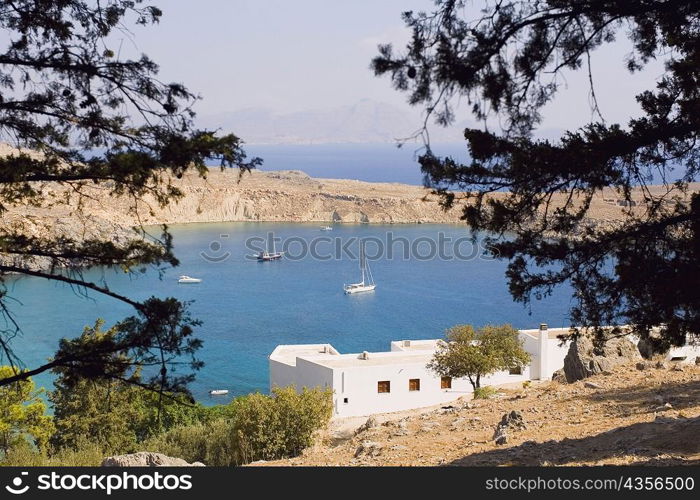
649	417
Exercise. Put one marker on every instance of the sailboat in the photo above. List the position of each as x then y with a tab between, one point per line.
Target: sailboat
367	284
266	255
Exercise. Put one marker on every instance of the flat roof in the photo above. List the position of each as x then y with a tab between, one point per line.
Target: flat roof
374	359
415	345
553	333
288	354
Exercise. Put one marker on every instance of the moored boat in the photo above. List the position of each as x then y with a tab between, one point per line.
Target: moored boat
367	284
188	279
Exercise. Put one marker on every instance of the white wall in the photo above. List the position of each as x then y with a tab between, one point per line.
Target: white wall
359	385
555	361
688	351
532	347
304	374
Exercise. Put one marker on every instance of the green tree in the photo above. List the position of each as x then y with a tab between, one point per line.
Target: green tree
22	413
82	114
109	406
506	62
476	353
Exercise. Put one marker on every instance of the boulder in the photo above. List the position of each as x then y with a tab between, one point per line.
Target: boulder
369	424
500	437
641	366
147	459
513	420
697	360
585	359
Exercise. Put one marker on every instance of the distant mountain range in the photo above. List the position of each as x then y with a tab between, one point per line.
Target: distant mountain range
365	122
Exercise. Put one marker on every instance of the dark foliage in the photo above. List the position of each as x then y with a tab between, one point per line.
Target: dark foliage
81	115
506	61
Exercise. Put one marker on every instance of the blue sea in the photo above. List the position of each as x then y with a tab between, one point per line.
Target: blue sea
248	307
379	162
382	162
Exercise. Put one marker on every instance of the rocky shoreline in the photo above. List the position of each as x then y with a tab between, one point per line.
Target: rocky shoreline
258	196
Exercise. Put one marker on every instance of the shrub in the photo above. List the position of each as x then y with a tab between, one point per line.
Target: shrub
486	392
258	427
22	454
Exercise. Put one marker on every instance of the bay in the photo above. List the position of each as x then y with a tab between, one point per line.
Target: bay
249	307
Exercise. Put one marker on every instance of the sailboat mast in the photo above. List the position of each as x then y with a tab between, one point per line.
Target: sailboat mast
362	261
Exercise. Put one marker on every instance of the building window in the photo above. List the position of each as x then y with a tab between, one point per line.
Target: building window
446	383
517	370
345	400
384	386
414	384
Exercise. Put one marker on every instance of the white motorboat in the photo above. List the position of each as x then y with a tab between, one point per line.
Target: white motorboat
326	228
188	279
218	392
367	284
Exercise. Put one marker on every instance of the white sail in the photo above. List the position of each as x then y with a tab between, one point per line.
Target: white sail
367	284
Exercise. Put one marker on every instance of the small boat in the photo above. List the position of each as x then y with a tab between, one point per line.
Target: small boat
326	228
267	255
367	284
188	279
218	392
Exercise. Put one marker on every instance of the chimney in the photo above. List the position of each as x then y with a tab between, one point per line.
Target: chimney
407	343
364	355
543	351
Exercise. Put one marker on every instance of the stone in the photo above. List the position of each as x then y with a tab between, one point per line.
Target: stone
458	422
369	424
500	437
513	420
641	366
429	427
667	406
147	459
369	449
697	360
585	358
660	365
677	367
559	376
592	385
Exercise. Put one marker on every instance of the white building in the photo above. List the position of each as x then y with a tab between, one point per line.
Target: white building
396	380
381	382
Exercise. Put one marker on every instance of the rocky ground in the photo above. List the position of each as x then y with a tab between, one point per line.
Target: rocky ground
624	416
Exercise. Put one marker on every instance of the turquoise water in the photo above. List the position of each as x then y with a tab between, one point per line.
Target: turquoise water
248	307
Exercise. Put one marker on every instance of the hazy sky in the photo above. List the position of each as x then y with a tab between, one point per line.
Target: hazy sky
290	55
